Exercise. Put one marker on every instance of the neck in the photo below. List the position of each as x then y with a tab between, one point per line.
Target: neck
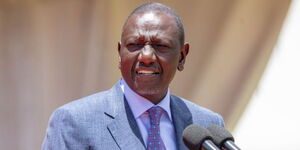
155	99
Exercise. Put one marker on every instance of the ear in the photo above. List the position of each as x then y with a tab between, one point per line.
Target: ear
119	49
183	53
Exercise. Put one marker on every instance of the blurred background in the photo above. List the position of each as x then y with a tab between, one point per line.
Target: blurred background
242	63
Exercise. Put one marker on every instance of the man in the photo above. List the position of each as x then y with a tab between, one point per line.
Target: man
138	112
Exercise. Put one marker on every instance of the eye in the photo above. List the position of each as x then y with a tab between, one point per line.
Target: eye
160	47
134	46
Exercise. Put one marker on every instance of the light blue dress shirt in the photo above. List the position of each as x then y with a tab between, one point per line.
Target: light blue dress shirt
139	106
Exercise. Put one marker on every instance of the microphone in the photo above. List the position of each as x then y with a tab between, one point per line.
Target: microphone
222	138
196	137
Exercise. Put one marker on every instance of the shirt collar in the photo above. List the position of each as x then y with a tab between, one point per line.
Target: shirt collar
139	104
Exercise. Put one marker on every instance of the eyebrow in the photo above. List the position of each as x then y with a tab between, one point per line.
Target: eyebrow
138	38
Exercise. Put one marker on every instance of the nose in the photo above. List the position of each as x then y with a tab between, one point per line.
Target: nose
147	55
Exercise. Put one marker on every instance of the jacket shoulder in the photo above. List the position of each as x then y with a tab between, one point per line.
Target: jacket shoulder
201	115
74	123
88	103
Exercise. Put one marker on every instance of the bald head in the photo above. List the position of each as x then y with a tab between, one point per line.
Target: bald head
159	8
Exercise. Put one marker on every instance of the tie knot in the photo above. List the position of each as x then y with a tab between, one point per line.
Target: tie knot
155	114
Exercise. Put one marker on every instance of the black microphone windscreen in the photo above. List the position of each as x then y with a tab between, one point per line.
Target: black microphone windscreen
220	134
194	135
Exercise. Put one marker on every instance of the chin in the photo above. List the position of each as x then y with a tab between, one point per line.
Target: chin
148	92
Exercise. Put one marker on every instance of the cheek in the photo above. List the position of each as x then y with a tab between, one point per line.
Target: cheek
170	66
127	62
170	62
125	65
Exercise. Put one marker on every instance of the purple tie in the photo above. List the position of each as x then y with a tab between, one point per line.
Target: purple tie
154	141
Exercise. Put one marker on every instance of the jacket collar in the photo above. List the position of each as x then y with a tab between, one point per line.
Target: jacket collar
119	127
124	129
182	117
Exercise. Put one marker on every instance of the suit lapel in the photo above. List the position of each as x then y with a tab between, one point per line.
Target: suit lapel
119	126
127	135
182	117
132	122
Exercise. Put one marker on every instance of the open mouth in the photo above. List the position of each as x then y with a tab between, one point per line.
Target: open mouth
147	75
147	72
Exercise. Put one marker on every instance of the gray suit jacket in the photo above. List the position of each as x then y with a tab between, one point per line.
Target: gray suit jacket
104	121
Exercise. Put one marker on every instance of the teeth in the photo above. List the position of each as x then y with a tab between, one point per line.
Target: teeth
145	72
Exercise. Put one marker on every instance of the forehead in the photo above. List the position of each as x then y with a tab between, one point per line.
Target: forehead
150	23
150	17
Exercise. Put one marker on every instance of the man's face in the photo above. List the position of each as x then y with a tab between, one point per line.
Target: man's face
150	53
